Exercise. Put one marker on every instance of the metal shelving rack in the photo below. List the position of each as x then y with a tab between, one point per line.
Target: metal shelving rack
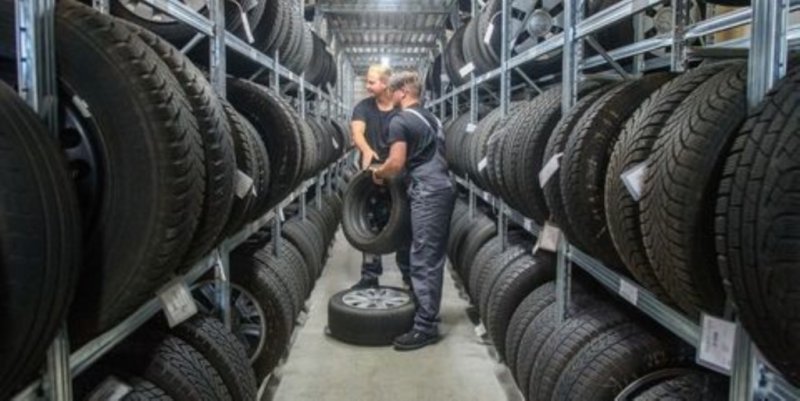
751	377
37	86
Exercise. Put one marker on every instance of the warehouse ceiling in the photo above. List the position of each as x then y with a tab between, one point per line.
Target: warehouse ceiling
404	33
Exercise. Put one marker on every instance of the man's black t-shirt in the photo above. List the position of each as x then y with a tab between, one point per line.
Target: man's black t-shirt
377	122
420	138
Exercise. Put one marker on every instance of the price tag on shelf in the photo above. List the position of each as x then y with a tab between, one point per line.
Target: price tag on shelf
548	238
483	163
480	330
111	389
717	342
177	302
248	33
471	128
549	169
487	37
633	178
244	184
628	291
466	70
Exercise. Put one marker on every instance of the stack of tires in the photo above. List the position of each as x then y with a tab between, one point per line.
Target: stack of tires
163	168
601	350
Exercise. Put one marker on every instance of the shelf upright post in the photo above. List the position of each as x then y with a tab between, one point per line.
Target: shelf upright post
572	54
276	75
318	192
505	77
217	58
638	36
222	278
302	94
680	17
276	231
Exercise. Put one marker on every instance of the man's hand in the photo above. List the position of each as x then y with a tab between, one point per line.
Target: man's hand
367	158
377	180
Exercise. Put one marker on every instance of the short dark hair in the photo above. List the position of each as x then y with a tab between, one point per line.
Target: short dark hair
408	80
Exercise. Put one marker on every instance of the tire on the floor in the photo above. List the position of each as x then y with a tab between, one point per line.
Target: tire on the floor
756	216
223	351
142	216
371	316
40	238
679	190
363	200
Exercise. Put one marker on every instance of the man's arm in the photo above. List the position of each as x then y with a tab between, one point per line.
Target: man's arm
394	163
358	129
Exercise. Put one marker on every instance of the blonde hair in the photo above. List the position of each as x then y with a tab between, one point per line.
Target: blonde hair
408	80
383	71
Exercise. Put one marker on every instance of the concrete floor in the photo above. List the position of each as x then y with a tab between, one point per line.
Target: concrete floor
460	367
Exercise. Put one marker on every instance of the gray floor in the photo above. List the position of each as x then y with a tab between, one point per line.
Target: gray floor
460	367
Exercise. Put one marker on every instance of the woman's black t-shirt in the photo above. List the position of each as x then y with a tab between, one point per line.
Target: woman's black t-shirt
377	122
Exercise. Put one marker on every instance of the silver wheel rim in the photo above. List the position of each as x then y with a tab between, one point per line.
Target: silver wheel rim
380	298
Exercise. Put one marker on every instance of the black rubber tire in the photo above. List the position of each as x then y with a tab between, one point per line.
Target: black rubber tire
741	3
453	143
486	255
511	288
275	301
176	367
481	230
223	351
261	187
355	224
40	237
277	125
373	327
755	226
698	386
247	162
586	156
555	145
530	307
288	269
454	56
143	390
459	228
482	281
612	360
220	160
679	190
152	181
295	233
632	148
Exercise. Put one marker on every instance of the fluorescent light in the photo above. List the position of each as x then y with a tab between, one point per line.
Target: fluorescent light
385	61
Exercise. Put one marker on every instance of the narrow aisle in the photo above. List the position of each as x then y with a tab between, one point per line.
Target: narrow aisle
320	368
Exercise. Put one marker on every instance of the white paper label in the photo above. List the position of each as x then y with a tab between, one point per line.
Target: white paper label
244	184
466	70
628	291
335	143
549	169
480	330
717	343
548	238
633	179
487	38
248	33
528	224
483	163
82	106
111	389
471	128
177	302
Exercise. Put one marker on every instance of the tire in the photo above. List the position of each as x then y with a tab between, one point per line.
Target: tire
220	160
142	132
487	253
354	318
143	390
680	185
278	127
254	281
555	145
632	148
261	187
223	351
755	233
454	142
176	367
586	156
530	307
367	234
454	56
741	3
247	161
480	232
459	228
484	280
288	270
40	237
697	386
614	359
510	289
300	238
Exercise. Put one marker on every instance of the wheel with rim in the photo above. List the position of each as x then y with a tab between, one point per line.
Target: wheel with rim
370	316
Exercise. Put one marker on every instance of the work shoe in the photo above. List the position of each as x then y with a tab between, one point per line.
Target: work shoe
414	339
365	283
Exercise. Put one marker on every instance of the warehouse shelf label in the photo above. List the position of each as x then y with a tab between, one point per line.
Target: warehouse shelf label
717	342
483	163
633	178
480	330
548	238
177	302
467	69
111	389
549	169
471	128
487	38
628	291
244	184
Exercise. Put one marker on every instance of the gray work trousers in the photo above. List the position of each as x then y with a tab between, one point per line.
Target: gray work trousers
372	265
431	208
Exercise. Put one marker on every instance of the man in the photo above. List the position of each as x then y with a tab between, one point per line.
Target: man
416	145
368	126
